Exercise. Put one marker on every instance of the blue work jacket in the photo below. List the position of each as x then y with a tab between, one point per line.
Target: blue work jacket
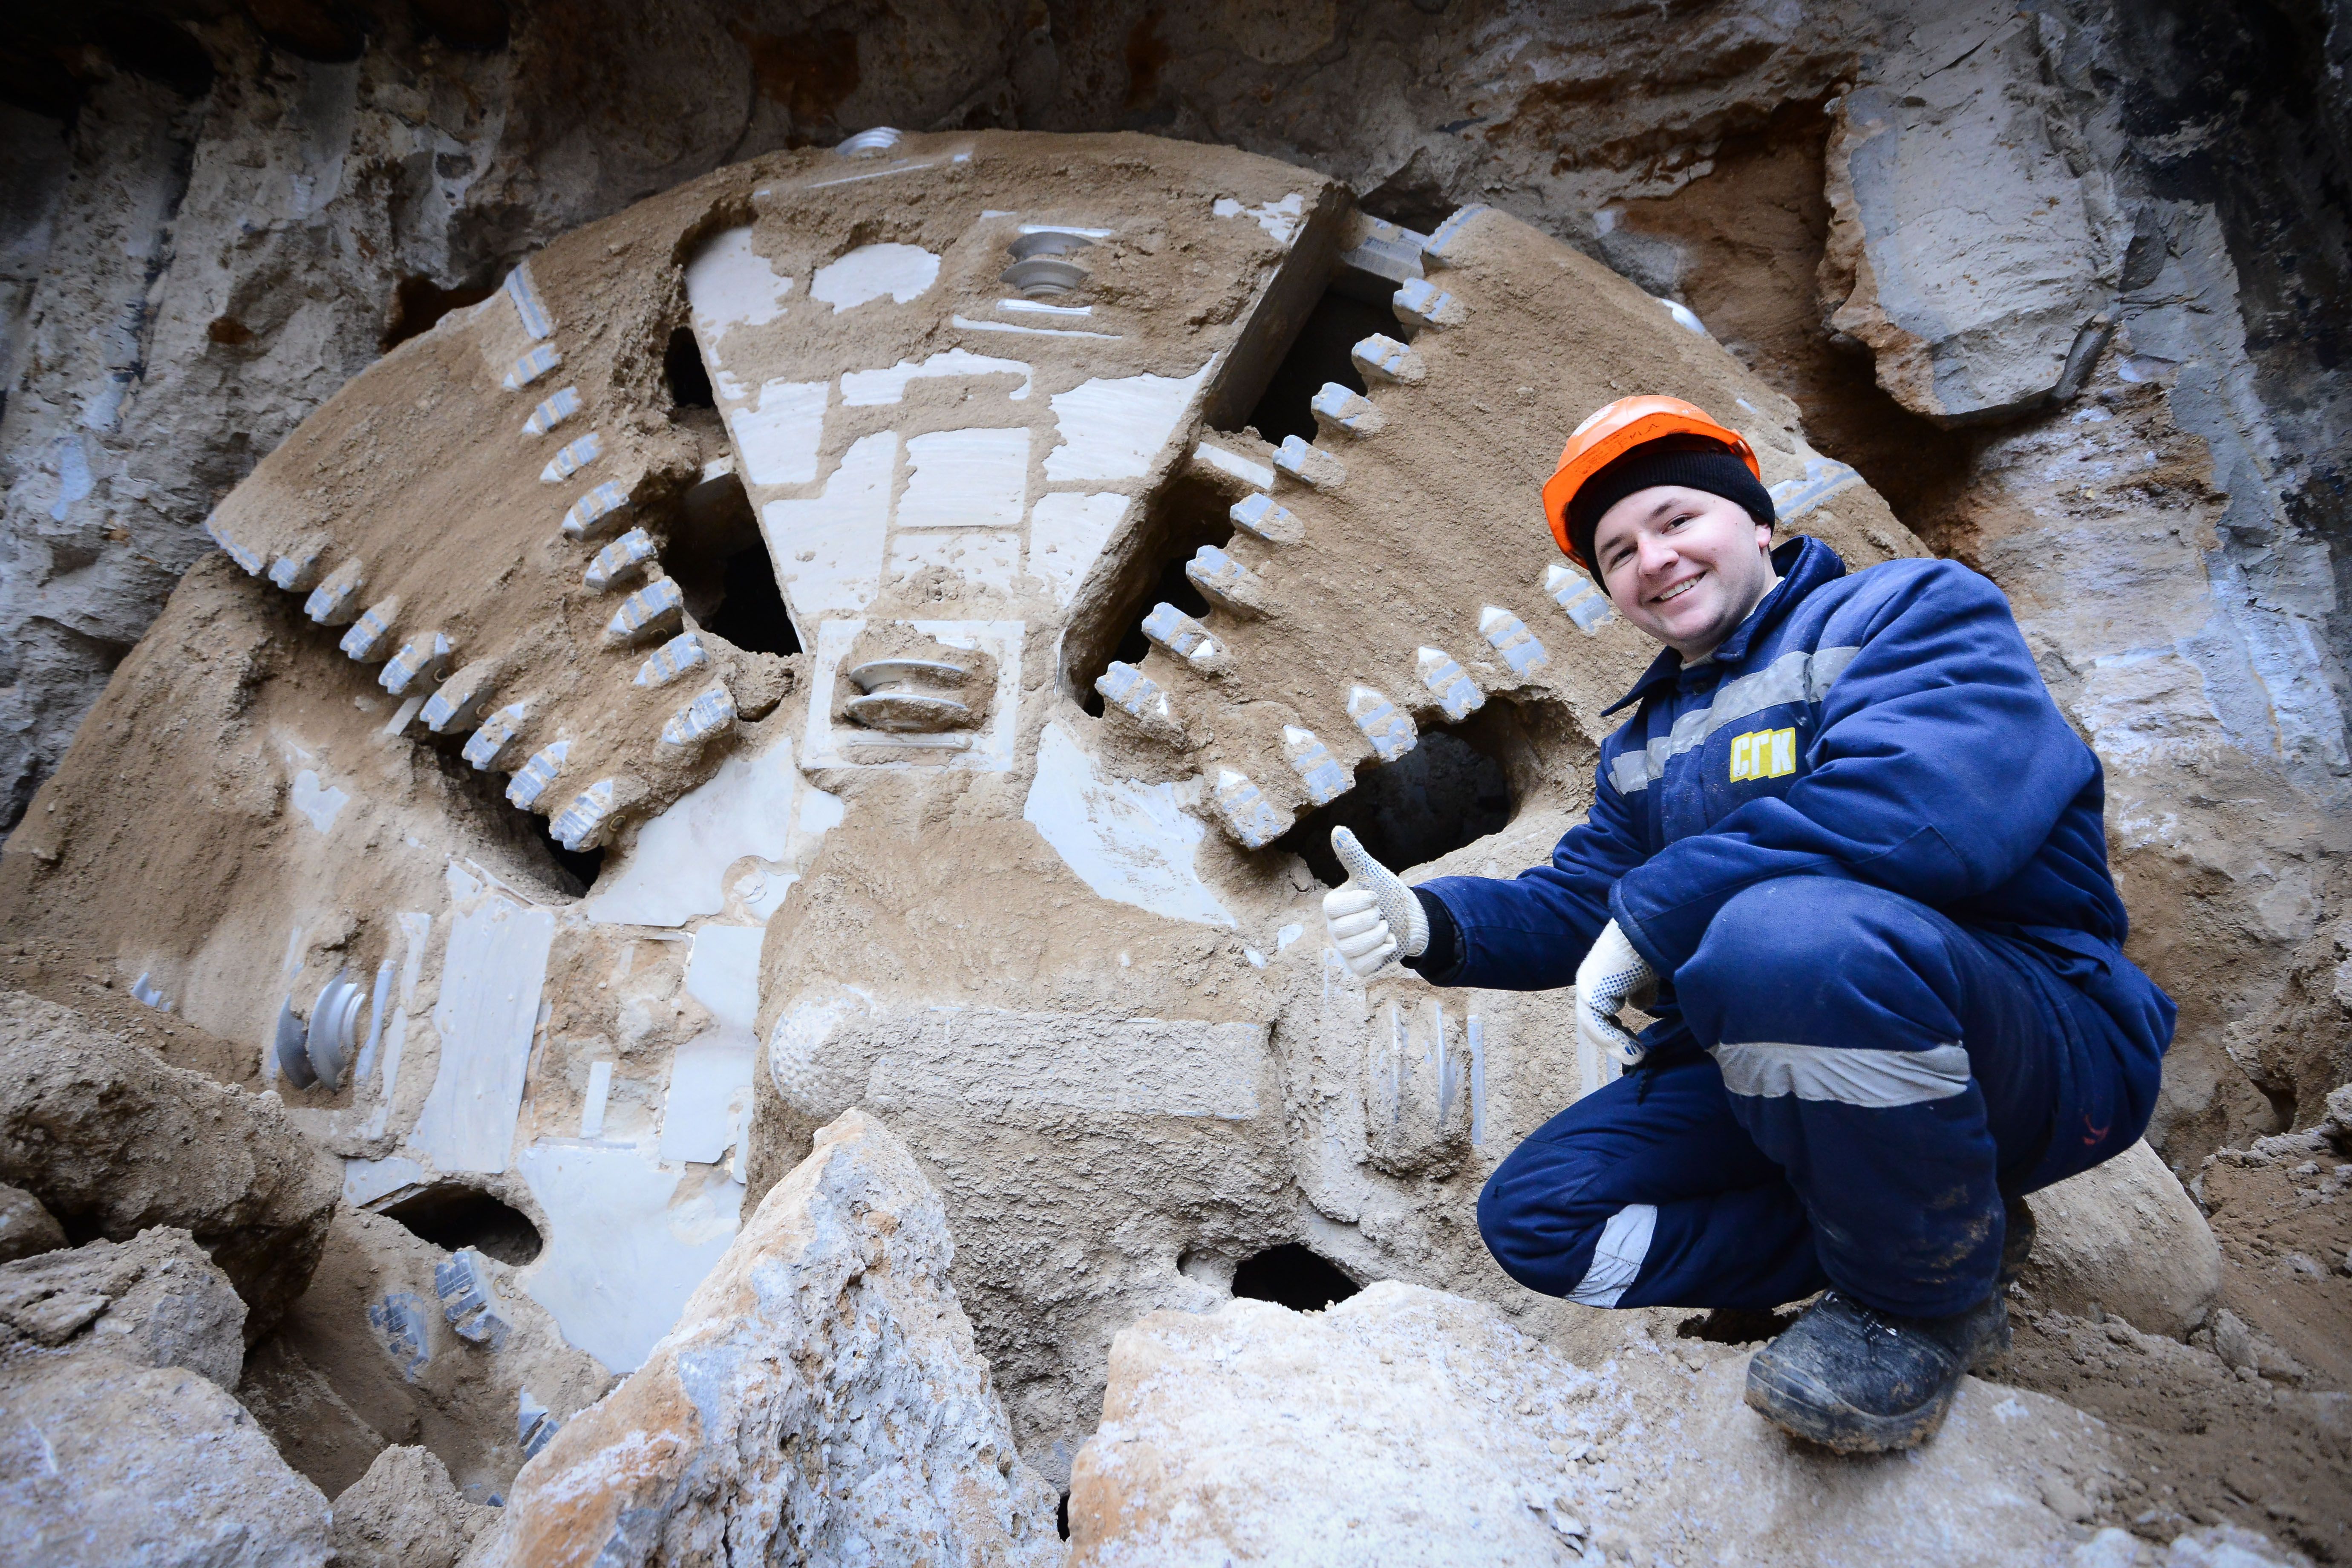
1887	726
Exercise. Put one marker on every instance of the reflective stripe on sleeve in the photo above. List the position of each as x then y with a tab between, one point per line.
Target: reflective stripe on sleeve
1617	1257
1874	1079
1797	677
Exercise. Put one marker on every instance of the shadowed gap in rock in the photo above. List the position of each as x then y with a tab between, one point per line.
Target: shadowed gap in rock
682	369
479	27
451	1215
1292	1276
1319	354
417	303
716	554
1444	793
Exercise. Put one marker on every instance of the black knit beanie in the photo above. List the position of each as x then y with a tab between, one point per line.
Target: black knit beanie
1693	462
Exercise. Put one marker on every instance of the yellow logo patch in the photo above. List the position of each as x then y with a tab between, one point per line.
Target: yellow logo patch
1763	755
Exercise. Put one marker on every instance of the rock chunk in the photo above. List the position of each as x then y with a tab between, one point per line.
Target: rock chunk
1971	247
26	1228
103	1463
1259	1435
156	1300
820	1401
224	1166
406	1513
2126	1237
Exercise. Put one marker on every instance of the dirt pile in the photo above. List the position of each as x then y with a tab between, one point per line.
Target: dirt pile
1407	1419
223	1166
403	1514
2244	1423
820	1401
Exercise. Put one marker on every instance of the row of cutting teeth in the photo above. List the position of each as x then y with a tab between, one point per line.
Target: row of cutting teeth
653	610
1256	821
1245	811
420	663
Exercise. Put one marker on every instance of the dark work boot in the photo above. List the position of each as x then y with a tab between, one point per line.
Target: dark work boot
1862	1382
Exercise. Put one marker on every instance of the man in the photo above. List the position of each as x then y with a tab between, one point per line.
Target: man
1849	855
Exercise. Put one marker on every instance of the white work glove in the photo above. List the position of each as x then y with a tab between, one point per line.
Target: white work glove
1612	974
1374	917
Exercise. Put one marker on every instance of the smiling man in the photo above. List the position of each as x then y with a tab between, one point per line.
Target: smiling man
1851	859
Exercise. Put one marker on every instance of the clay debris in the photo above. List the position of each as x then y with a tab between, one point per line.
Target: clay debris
405	1513
1409	1425
821	1401
2125	1237
223	1166
156	1300
104	1462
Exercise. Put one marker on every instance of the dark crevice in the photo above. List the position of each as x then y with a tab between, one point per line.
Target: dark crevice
1319	354
1735	1325
682	370
417	303
479	27
1292	1276
451	1215
50	55
317	30
719	561
750	612
583	866
1184	516
1444	793
1062	1516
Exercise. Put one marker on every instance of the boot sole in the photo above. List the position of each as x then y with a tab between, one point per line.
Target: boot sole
1803	1408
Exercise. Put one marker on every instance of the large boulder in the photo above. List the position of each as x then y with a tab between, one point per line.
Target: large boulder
104	1462
26	1228
2125	1237
406	1513
112	1141
1406	1425
820	1401
156	1300
1975	247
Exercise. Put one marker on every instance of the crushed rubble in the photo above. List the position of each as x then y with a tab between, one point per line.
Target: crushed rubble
405	1513
222	1164
156	1301
820	1401
1407	1418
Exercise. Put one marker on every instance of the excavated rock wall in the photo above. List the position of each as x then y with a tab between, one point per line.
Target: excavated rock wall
1054	926
216	220
1063	963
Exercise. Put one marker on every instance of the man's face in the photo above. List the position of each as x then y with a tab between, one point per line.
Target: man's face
1683	565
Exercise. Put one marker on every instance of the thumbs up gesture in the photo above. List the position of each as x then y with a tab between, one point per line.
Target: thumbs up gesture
1374	917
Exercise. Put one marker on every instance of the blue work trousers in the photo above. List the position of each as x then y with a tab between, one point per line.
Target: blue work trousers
1843	1090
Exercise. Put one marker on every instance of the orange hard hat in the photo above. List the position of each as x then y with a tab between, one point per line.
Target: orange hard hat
1617	429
